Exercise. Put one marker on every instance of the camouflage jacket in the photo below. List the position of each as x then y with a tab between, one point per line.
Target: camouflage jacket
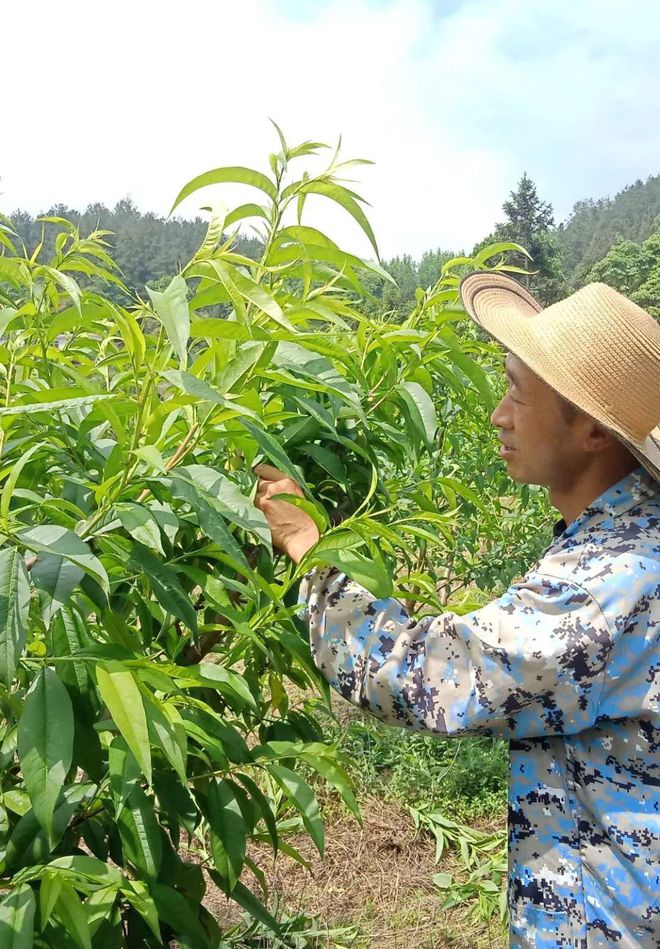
566	665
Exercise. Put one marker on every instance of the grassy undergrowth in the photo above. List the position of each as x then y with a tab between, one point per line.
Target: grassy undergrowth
465	778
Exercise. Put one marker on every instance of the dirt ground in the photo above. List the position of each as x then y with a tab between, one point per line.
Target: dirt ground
377	877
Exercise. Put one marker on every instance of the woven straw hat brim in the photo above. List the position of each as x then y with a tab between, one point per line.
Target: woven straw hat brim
571	345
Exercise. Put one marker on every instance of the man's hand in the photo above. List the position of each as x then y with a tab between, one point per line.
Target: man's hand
294	532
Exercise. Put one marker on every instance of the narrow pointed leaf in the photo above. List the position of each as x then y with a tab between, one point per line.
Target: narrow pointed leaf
171	308
121	694
55	578
14	606
65	543
73	915
45	743
228	831
17	911
237	175
140	834
421	409
165	585
302	797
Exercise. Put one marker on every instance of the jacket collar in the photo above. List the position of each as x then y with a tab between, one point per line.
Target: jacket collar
636	487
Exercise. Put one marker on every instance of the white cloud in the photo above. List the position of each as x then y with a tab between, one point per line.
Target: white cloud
452	103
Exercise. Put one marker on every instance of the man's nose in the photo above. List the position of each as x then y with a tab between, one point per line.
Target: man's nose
501	417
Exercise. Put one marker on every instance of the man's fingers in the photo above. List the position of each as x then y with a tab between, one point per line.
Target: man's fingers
269	473
283	486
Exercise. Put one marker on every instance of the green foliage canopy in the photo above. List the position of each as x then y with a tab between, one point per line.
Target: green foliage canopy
147	631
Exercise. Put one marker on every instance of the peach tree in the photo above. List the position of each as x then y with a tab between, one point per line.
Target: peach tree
148	632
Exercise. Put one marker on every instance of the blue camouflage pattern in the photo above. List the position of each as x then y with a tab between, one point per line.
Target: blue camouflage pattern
566	666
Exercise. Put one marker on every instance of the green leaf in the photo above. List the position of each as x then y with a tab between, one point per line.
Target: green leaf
328	460
261	298
225	681
45	743
243	211
370	573
171	308
443	880
137	894
69	635
58	540
121	694
224	495
218	328
29	844
464	491
14	607
124	772
343	197
302	797
210	516
55	578
491	250
165	585
67	283
238	175
140	834
246	898
131	333
140	524
312	509
191	385
274	452
178	913
73	915
421	408
335	775
263	804
99	906
151	455
81	868
163	734
214	230
233	744
17	911
10	484
48	892
30	408
228	831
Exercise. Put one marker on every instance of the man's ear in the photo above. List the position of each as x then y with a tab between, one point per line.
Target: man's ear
597	437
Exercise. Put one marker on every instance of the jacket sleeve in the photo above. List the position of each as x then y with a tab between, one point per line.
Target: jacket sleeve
528	664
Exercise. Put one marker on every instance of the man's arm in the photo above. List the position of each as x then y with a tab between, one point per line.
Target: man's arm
531	663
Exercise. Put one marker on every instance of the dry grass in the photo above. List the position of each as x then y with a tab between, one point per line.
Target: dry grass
377	877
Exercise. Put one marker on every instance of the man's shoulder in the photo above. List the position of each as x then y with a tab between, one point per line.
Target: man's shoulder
616	559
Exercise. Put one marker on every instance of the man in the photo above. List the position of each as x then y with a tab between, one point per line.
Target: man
566	665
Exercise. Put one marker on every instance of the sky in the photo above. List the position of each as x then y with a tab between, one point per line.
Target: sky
451	99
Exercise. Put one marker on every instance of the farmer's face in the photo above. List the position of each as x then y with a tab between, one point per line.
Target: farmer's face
541	444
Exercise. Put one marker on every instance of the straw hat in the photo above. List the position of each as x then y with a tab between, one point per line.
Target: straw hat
597	349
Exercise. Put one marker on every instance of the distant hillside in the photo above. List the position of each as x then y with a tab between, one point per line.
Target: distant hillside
594	226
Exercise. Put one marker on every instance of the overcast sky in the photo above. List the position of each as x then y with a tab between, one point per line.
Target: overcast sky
452	99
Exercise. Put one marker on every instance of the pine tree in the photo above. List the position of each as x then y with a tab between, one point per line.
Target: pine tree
530	223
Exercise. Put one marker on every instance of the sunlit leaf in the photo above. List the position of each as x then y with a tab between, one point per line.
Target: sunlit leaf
235	174
171	308
17	911
121	694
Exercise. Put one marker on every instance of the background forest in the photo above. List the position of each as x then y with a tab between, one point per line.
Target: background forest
614	240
